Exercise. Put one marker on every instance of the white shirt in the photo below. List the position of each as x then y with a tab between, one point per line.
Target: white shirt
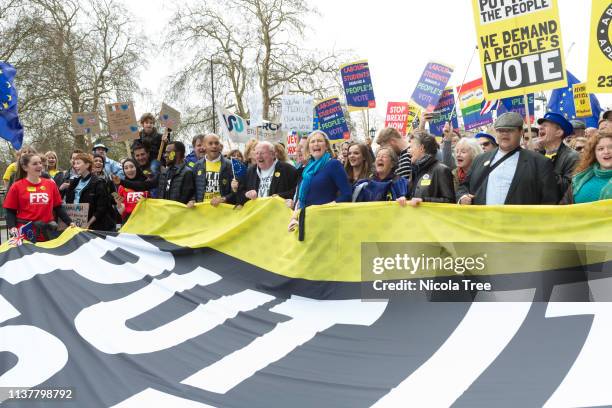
265	180
500	178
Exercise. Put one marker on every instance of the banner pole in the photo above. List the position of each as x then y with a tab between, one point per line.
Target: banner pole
528	120
127	148
450	118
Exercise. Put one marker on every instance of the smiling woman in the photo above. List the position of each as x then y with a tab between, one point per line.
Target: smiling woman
323	180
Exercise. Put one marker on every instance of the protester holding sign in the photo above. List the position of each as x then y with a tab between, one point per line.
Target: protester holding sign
553	129
593	179
509	174
149	136
213	175
430	180
323	179
127	198
270	177
89	188
359	164
32	198
384	185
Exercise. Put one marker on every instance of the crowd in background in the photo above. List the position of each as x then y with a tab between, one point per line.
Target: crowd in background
557	162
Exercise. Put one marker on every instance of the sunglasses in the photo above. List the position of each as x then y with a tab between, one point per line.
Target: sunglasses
579	148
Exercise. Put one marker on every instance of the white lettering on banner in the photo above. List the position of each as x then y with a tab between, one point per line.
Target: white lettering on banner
40	355
39	198
155	398
453	370
309	317
151	261
134	196
525	71
587	384
103	324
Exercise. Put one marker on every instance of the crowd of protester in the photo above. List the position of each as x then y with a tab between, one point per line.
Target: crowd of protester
557	162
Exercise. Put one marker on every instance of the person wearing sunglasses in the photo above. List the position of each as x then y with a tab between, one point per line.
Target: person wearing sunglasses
486	141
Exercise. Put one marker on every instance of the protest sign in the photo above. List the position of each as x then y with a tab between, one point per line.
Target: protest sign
520	46
431	85
582	101
293	139
233	126
78	213
444	113
412	121
517	104
332	120
122	121
357	83
255	103
599	77
470	102
397	116
296	112
169	117
268	131
85	123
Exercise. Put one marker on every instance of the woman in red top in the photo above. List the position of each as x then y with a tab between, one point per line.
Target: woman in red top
32	198
127	198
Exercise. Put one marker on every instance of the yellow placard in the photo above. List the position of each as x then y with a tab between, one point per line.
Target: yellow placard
599	78
582	101
413	112
520	46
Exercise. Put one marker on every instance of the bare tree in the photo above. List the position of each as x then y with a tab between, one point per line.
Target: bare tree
71	56
252	43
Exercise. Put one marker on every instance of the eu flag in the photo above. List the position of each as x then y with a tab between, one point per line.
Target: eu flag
10	127
562	101
239	169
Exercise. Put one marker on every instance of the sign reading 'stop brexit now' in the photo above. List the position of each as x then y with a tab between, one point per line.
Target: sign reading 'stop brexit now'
520	46
431	85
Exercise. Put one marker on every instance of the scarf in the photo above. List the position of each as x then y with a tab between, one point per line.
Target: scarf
461	174
594	170
311	170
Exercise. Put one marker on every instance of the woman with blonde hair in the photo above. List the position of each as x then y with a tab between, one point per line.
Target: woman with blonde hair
323	180
249	152
52	168
466	150
593	175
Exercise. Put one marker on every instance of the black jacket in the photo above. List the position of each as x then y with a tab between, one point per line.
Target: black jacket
284	181
151	142
533	183
225	180
564	163
99	201
431	181
176	184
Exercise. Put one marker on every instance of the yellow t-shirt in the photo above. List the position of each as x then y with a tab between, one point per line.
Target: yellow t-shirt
10	170
52	173
213	170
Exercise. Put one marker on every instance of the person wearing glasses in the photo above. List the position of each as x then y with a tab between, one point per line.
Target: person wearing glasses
578	143
486	141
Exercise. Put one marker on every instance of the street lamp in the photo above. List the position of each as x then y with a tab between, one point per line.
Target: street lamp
372	133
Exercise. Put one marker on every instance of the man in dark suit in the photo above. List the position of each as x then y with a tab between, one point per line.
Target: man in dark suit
509	174
268	177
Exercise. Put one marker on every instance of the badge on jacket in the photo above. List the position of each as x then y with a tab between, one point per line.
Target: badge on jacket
277	174
425	181
486	163
224	181
199	172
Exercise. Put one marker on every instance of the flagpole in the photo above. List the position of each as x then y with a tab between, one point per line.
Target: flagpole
528	120
450	118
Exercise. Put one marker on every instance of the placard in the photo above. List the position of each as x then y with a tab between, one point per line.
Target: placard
78	213
599	79
85	123
296	112
169	117
357	83
332	121
431	85
122	122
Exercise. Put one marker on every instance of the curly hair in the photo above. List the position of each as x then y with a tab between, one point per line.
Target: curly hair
588	154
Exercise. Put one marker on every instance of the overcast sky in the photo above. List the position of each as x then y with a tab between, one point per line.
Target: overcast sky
398	37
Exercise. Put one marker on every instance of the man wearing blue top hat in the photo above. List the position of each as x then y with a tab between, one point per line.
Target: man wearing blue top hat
486	141
509	174
553	129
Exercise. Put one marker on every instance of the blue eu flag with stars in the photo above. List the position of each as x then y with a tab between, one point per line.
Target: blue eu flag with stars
562	101
10	127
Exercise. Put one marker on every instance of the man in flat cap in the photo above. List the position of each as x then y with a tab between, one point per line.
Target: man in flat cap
553	129
509	174
579	129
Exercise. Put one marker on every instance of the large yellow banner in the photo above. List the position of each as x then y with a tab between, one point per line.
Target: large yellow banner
599	78
520	46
